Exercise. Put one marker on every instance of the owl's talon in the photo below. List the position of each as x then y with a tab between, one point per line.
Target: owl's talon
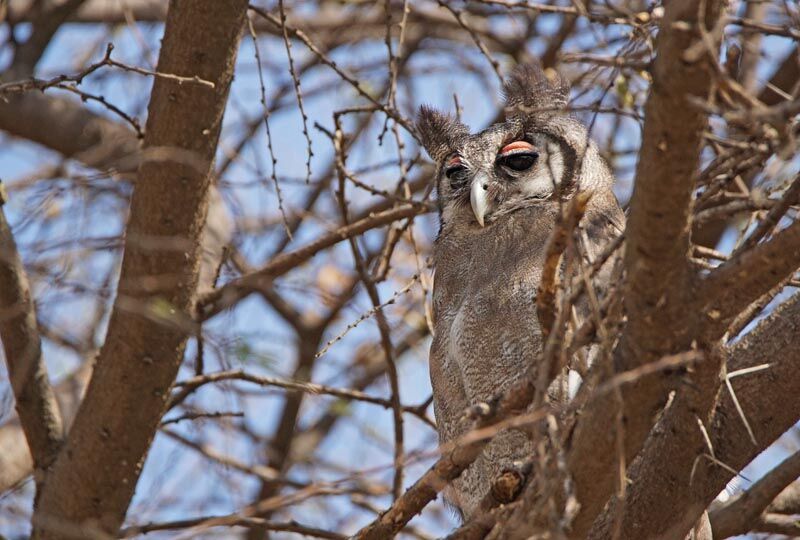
508	485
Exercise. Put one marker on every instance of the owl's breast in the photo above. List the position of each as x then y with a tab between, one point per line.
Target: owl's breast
494	337
486	328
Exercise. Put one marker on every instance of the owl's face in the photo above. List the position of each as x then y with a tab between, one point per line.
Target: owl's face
539	154
500	170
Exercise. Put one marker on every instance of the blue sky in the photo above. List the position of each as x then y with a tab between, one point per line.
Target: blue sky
170	469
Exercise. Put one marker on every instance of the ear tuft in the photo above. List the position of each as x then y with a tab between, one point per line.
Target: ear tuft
530	92
439	132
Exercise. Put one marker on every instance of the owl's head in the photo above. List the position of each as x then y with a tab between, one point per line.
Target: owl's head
538	155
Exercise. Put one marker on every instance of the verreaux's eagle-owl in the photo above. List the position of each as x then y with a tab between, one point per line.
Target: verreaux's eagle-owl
499	192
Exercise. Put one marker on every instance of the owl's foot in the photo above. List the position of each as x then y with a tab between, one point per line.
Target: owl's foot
508	485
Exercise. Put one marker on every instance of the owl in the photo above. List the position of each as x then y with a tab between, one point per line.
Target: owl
499	193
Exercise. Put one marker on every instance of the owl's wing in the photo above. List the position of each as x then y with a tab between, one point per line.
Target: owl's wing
604	221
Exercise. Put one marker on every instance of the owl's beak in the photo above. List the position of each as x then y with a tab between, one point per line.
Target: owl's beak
478	198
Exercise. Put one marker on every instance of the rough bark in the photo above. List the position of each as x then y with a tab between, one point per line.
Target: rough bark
36	404
676	438
658	283
742	280
65	126
741	512
680	446
763	396
94	476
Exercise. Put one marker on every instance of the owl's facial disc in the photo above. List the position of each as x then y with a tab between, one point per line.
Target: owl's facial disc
516	158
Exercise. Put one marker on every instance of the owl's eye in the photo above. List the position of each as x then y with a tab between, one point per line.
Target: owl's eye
456	172
519	162
457	175
518	156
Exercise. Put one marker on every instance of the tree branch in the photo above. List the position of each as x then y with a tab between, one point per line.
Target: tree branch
291	526
65	126
294	385
15	458
46	20
95	473
336	29
742	280
234	291
787	501
767	398
741	513
784	78
678	438
659	281
36	404
452	463
777	524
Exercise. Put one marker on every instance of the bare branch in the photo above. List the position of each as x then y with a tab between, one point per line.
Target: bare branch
488	419
292	527
35	401
25	85
301	386
658	281
652	323
46	20
448	467
787	501
741	512
743	279
230	293
694	480
780	83
140	358
70	129
777	524
565	225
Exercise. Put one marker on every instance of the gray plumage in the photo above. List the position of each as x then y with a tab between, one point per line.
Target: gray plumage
499	192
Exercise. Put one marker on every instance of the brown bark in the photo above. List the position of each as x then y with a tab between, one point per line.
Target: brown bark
743	279
658	283
36	404
677	438
70	129
787	501
67	127
94	476
763	396
668	311
741	512
673	468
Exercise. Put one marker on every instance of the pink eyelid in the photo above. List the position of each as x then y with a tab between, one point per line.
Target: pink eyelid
516	146
453	161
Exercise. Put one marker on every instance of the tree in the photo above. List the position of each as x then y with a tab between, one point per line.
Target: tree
239	302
